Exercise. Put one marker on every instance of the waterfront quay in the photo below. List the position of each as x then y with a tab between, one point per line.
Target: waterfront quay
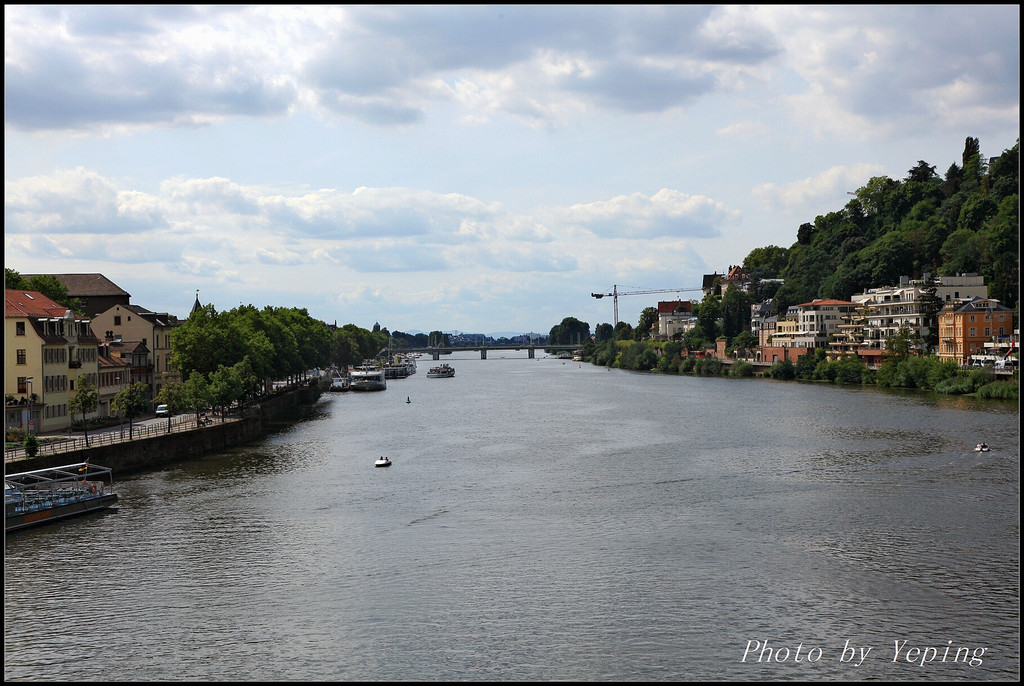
164	441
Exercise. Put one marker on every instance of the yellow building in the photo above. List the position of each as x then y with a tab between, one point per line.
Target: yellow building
152	329
46	350
966	327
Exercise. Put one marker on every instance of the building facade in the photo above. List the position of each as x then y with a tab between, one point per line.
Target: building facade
152	329
966	328
675	317
47	349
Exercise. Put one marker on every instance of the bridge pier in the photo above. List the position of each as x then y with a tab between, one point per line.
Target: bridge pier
483	353
437	356
529	352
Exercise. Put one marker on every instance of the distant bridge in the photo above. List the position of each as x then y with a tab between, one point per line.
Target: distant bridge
436	352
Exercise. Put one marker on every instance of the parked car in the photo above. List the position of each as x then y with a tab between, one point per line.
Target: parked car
163	411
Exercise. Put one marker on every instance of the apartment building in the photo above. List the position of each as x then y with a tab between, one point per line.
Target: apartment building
891	308
47	348
152	329
675	317
966	327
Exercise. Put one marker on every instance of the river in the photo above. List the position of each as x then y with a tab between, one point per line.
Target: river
550	520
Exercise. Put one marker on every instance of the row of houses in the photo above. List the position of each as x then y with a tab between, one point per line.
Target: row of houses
48	348
971	325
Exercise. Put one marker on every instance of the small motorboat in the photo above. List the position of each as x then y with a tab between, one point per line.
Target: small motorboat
382	461
981	448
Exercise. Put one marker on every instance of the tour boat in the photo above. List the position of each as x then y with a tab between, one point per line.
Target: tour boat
443	371
46	495
367	379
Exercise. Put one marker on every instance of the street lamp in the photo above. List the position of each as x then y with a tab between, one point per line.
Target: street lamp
31	403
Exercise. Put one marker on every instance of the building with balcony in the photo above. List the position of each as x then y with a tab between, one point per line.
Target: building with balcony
891	308
150	329
47	349
968	328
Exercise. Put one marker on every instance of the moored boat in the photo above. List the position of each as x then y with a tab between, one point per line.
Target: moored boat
442	371
46	495
367	379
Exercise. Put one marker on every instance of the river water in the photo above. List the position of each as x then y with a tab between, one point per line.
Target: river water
547	520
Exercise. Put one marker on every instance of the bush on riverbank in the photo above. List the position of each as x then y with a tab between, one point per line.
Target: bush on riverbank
925	372
1000	390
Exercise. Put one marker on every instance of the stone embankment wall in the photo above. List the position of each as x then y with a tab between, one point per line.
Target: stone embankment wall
141	454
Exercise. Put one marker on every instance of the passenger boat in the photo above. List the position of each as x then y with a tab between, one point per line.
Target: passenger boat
400	367
442	371
382	461
46	495
367	379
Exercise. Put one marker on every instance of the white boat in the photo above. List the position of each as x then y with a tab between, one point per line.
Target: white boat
443	371
981	448
46	495
367	379
382	461
339	383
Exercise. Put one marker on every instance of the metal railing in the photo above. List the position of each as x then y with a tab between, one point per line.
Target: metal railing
53	445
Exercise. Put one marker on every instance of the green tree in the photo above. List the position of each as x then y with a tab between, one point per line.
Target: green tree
225	388
604	332
931	305
130	403
708	313
648	323
571	331
84	400
172	394
197	394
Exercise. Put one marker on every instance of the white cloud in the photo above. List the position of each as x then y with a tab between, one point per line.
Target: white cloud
829	187
666	213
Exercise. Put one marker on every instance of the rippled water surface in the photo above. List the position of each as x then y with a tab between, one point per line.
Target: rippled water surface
546	520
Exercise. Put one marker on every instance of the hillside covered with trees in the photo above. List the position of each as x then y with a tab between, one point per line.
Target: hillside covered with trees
925	224
966	220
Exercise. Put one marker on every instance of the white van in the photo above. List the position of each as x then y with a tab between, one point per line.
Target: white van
163	411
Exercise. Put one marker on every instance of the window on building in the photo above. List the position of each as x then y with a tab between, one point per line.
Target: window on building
21	357
19	328
117	320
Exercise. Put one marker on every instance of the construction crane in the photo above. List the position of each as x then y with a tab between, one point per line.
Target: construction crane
616	293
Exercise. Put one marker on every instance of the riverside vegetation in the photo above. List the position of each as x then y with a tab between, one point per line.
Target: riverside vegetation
965	222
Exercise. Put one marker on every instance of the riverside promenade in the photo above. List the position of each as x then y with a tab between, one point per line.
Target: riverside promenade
158	442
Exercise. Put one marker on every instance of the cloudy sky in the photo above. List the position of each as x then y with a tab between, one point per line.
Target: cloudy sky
472	168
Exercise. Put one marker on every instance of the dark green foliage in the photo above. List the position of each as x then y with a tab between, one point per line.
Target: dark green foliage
783	370
966	222
31	445
742	370
709	366
1000	390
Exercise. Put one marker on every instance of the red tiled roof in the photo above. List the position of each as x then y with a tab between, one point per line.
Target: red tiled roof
828	302
31	304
